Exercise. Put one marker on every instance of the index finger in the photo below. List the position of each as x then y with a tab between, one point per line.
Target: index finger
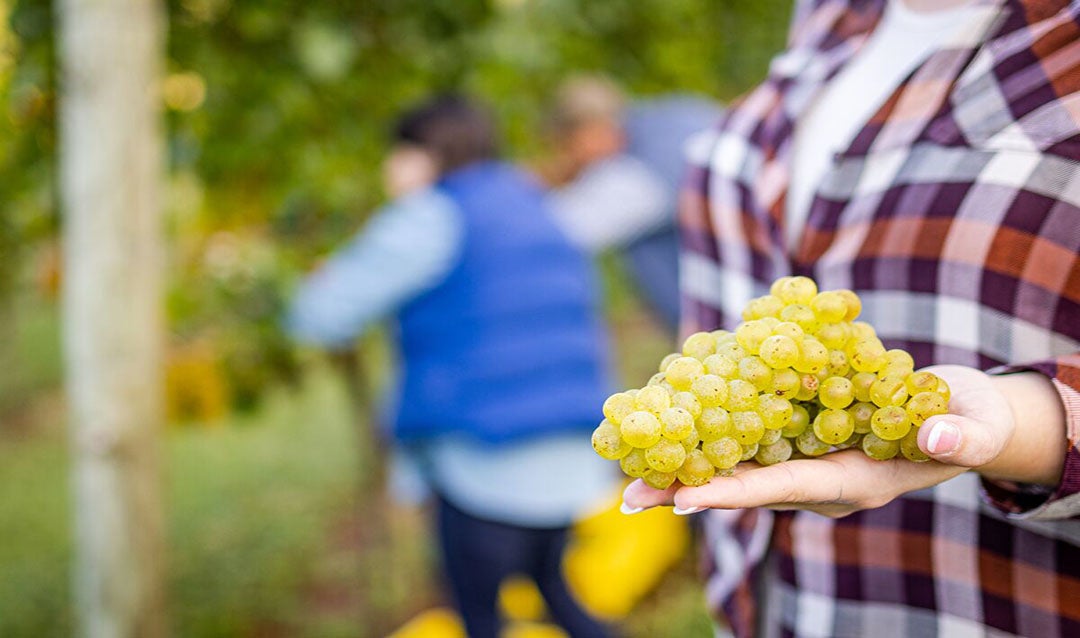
846	477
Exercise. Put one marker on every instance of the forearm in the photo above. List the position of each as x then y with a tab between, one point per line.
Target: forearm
1036	451
407	248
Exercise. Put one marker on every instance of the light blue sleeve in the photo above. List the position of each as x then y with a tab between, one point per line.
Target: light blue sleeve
611	203
407	248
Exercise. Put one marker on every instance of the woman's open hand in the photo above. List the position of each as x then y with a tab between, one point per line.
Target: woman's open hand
978	432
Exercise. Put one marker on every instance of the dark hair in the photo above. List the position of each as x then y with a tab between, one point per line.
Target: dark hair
455	130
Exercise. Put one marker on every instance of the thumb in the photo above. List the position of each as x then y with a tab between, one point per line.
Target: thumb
958	440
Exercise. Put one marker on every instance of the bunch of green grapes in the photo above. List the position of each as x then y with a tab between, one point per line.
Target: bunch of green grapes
798	378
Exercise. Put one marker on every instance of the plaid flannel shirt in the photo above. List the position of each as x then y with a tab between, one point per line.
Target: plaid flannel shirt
955	214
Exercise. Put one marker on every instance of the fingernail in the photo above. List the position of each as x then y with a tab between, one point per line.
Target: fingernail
690	510
944	438
626	509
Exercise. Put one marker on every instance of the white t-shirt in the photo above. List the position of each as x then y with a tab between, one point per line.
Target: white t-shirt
902	40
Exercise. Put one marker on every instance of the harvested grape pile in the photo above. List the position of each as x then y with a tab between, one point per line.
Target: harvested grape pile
798	378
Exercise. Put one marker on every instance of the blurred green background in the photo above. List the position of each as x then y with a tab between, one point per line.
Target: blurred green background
277	115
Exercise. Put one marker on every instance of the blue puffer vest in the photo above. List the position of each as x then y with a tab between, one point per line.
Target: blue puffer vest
510	344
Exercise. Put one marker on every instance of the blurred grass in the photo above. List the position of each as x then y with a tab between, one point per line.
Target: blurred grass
30	350
249	509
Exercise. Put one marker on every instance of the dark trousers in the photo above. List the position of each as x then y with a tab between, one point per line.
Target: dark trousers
479	554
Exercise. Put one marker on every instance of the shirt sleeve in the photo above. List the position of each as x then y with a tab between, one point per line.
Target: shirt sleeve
407	248
611	204
1039	502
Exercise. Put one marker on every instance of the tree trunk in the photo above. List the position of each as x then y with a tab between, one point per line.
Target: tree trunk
110	181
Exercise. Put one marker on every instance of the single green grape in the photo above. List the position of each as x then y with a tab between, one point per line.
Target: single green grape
775	411
838	364
878	448
861	413
808	387
862	331
833	426
888	391
776	452
722	366
909	447
861	382
723	453
800	290
640	429
778	286
813	356
696	470
797	424
921	381
699	345
809	444
772	322
756	371
742	395
731	349
779	351
692	440
833	335
665	455
608	442
682	371
714	423
710	390
785	383
653	398
829	306
867	355
943	389
657	379
789	329
890	423
721	335
634	463
751	334
897	369
770	437
854	304
802	315
617	406
676	423
836	393
748	452
896	356
766	306
747	427
924	405
666	361
658	480
687	401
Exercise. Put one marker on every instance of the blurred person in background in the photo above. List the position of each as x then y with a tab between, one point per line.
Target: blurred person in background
925	155
615	175
503	355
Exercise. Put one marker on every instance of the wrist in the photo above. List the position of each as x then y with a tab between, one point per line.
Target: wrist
1035	453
